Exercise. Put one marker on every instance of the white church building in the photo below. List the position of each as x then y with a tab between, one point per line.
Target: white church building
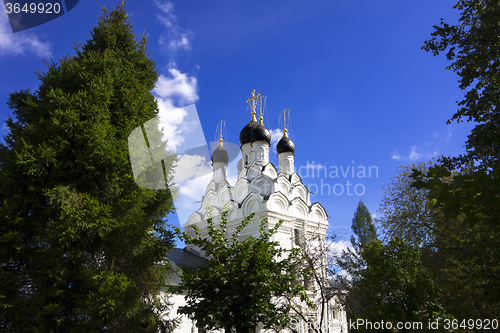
261	188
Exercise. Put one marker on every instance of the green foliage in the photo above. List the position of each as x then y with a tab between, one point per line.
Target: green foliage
387	282
477	198
81	245
473	46
362	226
468	245
467	241
394	286
464	262
406	211
351	260
243	281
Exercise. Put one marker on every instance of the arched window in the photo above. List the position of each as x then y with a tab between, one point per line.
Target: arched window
296	234
246	159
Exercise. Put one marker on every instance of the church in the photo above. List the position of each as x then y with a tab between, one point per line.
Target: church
261	188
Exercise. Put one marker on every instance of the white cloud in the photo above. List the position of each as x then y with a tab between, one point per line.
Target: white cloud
165	21
232	180
191	192
231	169
20	42
190	167
182	130
374	216
414	155
276	135
172	121
178	85
396	156
182	127
168	10
181	43
335	249
449	135
177	124
175	39
338	247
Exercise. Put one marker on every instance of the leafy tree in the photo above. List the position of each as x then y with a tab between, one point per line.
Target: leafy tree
453	251
81	245
406	212
395	286
245	280
362	226
474	196
386	282
473	48
466	246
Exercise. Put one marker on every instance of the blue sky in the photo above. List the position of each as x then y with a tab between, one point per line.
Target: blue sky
361	91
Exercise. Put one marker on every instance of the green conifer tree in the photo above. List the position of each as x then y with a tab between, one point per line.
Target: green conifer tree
362	226
81	245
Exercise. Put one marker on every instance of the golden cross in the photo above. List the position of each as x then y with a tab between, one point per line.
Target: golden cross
220	131
260	99
283	113
252	99
284	121
220	126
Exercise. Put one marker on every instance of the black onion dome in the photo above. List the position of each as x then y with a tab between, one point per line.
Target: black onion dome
285	145
246	132
220	155
260	133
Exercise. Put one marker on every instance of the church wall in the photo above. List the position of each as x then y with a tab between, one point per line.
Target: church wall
270	193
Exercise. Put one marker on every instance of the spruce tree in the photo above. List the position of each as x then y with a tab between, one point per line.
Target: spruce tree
82	247
362	226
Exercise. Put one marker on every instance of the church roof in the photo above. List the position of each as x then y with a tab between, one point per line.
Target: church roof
220	154
285	145
246	132
184	258
254	131
260	133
